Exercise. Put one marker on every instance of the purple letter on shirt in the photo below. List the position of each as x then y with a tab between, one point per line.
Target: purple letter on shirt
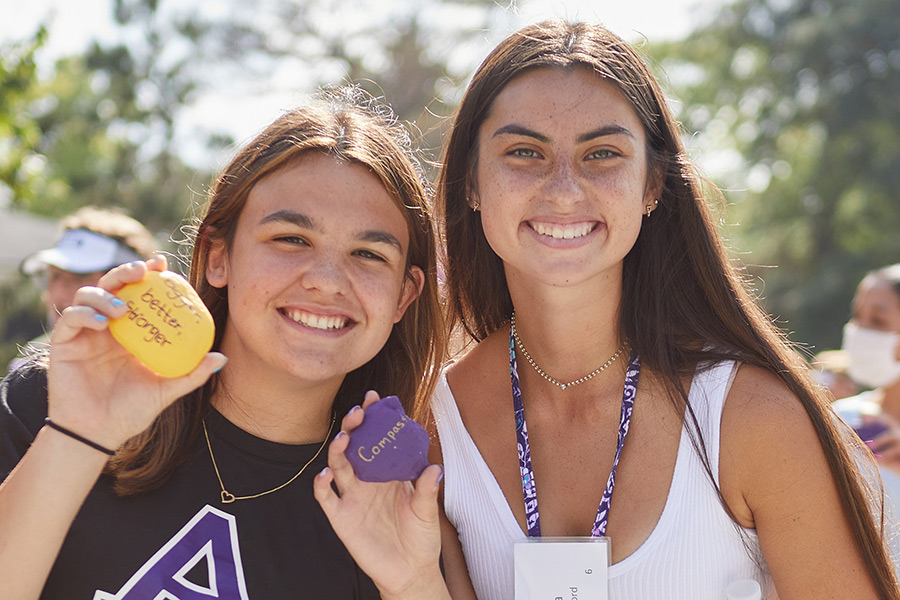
210	536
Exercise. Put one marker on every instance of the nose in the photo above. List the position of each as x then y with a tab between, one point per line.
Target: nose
326	273
564	185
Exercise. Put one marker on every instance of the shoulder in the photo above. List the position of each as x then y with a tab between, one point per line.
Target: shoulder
769	444
486	364
776	476
23	407
762	400
480	386
23	395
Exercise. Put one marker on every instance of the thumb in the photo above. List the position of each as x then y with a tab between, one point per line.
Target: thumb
424	501
211	363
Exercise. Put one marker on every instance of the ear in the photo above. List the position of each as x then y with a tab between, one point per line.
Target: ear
653	190
217	264
413	283
472	199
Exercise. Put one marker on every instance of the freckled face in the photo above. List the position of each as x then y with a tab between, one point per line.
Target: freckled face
562	177
316	274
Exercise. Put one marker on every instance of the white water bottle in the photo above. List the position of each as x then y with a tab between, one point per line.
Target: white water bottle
743	589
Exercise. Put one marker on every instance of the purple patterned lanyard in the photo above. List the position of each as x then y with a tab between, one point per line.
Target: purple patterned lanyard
532	516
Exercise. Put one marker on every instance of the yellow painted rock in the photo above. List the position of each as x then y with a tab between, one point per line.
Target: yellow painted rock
167	326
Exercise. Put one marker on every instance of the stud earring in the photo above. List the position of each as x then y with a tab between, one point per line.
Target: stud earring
474	204
648	211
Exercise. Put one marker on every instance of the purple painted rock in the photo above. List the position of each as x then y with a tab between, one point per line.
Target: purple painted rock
388	446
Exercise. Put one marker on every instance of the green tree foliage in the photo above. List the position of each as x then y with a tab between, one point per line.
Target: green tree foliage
97	130
411	52
20	163
805	93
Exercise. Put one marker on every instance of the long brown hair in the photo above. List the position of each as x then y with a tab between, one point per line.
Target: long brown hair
684	303
352	127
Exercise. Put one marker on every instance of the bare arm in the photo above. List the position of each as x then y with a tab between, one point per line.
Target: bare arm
38	502
97	390
456	572
775	477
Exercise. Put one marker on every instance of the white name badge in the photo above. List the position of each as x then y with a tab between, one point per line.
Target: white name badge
562	568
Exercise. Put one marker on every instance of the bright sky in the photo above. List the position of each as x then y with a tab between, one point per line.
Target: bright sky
78	21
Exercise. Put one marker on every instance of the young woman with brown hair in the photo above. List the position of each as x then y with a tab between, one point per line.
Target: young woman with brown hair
580	253
315	256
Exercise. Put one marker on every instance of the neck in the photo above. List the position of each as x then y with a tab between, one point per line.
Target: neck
568	332
286	412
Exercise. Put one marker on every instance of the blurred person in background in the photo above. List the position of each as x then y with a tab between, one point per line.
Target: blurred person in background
93	241
830	368
872	345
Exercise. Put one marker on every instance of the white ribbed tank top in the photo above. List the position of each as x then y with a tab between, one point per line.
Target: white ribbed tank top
693	553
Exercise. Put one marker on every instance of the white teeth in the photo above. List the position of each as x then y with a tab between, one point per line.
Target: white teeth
561	232
317	321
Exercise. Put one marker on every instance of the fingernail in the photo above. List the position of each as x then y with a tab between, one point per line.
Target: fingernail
117	302
354	409
101	318
219	368
441	476
322	472
340	434
134	263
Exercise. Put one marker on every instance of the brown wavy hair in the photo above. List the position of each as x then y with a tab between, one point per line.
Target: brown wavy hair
684	303
349	125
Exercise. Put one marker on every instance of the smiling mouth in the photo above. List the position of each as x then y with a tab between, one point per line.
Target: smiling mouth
325	323
563	232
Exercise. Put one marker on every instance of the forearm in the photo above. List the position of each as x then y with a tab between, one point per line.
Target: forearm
38	502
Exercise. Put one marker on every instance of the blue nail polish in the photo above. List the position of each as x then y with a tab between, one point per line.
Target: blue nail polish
217	369
101	318
322	472
117	302
134	263
441	476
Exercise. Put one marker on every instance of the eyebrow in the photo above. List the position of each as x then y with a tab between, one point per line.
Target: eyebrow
298	219
381	237
289	216
516	129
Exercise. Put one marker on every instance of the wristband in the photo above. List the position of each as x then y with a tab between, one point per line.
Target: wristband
81	439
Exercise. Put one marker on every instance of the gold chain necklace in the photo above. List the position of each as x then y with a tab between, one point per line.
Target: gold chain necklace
542	373
228	497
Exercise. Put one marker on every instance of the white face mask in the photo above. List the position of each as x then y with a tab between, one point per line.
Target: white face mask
872	356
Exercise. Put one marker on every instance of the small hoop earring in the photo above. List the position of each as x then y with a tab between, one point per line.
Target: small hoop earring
473	204
648	211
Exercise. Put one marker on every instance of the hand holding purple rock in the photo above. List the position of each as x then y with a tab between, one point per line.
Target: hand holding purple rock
388	446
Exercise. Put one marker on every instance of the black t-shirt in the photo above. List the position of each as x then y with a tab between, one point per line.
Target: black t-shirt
180	541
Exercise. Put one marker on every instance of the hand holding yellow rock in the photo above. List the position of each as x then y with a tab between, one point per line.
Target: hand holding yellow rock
167	326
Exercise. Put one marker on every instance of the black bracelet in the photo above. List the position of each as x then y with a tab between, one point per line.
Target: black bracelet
75	436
